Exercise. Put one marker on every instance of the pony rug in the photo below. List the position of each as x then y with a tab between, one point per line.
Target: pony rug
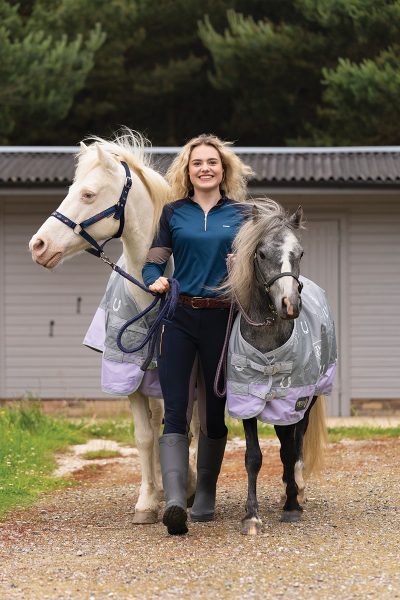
277	387
121	374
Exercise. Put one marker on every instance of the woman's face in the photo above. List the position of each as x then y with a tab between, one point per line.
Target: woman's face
205	168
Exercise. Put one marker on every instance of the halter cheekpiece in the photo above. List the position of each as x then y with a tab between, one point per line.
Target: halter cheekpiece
118	210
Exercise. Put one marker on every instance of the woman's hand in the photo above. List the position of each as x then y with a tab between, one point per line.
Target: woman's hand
161	285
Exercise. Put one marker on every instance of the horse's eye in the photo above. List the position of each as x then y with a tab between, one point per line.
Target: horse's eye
88	196
301	255
261	254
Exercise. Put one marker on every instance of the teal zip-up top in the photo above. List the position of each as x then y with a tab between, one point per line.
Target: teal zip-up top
199	243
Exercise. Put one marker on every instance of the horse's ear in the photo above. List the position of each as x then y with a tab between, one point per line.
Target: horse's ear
83	147
297	219
255	213
105	159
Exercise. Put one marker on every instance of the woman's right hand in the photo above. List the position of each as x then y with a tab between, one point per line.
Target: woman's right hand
160	286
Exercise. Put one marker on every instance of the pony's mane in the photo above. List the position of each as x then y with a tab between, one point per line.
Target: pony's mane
129	146
268	217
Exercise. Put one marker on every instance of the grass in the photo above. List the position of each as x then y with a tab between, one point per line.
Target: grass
335	434
29	440
103	453
120	430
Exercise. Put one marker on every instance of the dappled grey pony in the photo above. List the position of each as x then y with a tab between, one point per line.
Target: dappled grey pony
282	353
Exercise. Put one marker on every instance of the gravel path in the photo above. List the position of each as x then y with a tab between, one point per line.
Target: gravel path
79	543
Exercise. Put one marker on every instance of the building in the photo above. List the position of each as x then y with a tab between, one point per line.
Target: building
351	199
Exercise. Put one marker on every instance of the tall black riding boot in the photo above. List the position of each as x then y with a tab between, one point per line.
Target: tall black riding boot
209	459
174	459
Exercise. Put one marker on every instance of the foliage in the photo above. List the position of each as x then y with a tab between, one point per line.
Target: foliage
260	72
40	72
328	74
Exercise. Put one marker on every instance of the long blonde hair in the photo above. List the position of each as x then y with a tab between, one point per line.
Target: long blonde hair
236	172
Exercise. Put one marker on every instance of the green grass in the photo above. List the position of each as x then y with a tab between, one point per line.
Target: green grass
121	430
336	434
28	441
98	454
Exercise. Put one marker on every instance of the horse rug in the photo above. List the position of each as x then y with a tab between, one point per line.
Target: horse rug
121	372
277	387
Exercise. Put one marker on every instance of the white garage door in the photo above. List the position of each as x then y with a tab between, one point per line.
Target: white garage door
46	313
321	263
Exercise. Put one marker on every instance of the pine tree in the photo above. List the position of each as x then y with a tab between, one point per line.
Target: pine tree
40	74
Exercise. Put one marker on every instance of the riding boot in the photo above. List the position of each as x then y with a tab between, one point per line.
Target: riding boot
209	459
174	459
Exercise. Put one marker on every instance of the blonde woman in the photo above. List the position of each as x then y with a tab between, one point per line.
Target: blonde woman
209	181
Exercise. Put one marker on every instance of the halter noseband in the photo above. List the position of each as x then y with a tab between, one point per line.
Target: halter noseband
117	210
267	284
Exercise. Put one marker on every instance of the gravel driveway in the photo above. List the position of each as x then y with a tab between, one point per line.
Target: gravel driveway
79	543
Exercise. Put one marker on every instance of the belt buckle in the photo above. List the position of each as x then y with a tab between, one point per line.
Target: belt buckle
195	298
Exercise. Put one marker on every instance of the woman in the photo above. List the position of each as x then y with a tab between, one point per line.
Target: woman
198	229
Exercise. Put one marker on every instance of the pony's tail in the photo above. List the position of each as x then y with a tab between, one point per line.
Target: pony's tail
316	438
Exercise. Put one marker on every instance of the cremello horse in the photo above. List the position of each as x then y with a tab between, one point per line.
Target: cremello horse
100	176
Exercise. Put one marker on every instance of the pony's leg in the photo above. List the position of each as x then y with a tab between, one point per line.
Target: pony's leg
194	441
146	509
300	431
251	524
291	509
157	414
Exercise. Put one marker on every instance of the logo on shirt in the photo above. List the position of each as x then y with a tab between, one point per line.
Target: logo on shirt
225	225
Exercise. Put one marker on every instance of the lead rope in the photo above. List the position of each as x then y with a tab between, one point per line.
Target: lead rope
222	367
222	364
168	303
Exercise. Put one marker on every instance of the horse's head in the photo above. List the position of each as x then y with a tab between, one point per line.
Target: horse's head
264	275
98	182
277	265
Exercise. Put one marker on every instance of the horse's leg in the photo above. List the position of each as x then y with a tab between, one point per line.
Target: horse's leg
251	524
146	509
291	509
194	440
301	428
156	417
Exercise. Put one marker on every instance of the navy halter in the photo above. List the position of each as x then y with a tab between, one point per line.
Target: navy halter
167	301
118	210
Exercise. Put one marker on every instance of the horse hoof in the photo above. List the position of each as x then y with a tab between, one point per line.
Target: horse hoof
145	517
190	501
291	516
251	526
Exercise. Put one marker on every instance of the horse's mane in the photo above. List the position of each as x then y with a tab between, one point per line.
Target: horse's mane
129	146
268	217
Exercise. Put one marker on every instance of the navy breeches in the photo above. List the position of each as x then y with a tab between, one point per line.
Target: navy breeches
192	332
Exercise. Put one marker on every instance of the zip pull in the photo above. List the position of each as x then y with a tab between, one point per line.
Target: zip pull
205	221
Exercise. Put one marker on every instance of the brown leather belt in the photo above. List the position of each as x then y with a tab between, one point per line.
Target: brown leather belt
200	302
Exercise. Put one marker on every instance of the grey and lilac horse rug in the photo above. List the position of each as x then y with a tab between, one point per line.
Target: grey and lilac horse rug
277	387
121	372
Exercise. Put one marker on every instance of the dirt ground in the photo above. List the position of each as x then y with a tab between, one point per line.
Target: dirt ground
80	543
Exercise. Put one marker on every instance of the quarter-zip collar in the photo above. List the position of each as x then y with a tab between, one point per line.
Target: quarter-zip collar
220	203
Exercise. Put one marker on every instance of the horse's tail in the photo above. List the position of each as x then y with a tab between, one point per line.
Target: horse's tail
316	438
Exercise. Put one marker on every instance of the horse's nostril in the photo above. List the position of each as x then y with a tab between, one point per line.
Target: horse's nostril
38	245
289	307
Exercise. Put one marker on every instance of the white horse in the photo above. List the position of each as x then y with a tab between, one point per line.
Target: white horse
100	176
